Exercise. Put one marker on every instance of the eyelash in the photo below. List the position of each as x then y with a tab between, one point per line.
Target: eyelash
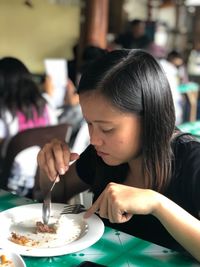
104	131
107	131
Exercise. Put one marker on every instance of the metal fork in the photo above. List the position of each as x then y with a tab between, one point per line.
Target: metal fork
73	209
46	207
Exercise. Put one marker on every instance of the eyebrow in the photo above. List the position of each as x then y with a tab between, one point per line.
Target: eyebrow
101	121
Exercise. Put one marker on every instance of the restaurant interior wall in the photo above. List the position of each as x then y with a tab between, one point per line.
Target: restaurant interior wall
44	30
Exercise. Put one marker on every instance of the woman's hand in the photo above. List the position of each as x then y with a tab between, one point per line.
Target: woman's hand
54	158
119	203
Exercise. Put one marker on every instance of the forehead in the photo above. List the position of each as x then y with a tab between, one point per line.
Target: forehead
95	106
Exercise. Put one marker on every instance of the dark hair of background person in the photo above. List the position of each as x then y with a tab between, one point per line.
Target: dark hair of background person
135	22
76	66
18	91
91	53
135	36
173	55
73	64
133	82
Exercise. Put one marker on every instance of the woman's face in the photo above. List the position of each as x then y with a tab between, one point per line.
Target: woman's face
116	136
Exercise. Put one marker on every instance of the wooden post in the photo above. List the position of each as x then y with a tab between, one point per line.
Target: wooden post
96	22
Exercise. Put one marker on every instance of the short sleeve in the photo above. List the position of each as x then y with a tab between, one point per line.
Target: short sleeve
85	165
191	171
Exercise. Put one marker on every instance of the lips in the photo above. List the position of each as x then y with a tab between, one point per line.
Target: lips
101	153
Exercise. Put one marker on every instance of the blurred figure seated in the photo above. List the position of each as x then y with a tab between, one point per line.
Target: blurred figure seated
171	72
71	112
135	36
177	60
21	107
194	63
48	88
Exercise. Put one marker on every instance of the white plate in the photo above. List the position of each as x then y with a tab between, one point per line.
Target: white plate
15	258
82	233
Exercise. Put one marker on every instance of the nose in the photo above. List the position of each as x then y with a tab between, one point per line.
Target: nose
95	138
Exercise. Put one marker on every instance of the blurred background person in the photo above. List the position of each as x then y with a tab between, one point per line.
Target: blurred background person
47	88
73	65
194	63
171	72
89	54
71	112
135	36
22	107
177	60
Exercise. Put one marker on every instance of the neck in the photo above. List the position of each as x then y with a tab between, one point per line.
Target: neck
135	175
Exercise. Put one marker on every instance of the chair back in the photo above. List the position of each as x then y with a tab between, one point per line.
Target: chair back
29	138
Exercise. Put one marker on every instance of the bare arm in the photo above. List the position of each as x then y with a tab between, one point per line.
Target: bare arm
119	203
180	224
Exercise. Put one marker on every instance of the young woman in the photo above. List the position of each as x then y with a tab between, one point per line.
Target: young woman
144	174
21	107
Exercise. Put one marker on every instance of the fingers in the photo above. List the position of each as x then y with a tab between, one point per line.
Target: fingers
100	206
54	158
46	168
109	206
94	208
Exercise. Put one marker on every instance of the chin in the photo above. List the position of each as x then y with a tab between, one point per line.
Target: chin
111	162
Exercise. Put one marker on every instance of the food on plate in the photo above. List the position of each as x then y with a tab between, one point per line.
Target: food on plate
44	228
33	233
19	239
24	240
5	262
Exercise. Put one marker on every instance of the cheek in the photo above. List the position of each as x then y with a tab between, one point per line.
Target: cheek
121	143
130	141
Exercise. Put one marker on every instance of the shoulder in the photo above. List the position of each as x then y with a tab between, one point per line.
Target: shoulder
2	129
9	125
185	143
186	151
185	184
6	116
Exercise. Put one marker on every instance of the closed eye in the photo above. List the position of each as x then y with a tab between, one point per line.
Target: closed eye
107	130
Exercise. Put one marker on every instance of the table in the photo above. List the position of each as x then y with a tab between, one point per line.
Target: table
114	249
191	90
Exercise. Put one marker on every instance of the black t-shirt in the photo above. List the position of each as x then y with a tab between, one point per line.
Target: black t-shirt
183	189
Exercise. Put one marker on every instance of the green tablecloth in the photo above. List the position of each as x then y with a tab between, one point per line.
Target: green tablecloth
114	249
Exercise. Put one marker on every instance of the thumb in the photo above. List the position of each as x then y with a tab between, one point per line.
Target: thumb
74	156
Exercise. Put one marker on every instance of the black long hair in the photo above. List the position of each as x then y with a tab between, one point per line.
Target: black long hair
134	82
18	91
